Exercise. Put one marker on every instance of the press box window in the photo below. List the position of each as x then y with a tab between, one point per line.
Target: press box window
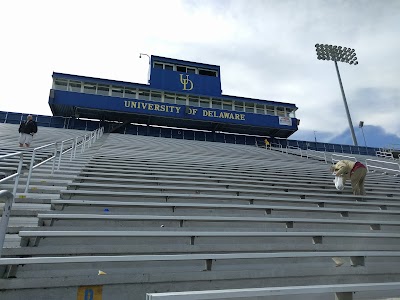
216	104
281	111
193	101
181	99
89	88
144	95
158	66
169	67
169	98
191	70
260	109
227	105
131	94
239	106
117	92
207	72
205	102
60	84
74	86
249	107
270	110
103	90
290	112
181	69
156	96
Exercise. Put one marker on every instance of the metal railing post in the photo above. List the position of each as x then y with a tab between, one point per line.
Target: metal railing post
30	170
54	158
76	145
16	180
59	159
72	149
6	216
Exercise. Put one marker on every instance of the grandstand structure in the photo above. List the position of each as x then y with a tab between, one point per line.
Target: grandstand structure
96	214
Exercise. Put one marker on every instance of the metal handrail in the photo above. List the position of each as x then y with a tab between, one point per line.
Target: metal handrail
294	148
9	199
315	151
382	168
61	151
32	166
15	175
75	145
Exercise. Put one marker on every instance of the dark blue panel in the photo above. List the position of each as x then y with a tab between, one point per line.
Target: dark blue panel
142	130
131	129
240	139
3	116
188	135
14	118
337	148
230	138
346	149
354	150
209	136
177	134
219	137
154	131
283	143
250	140
166	132
363	151
311	145
93	125
80	124
199	135
44	121
59	122
185	83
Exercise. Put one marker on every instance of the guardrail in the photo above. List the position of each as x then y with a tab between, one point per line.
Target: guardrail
369	165
276	146
9	199
317	154
15	175
342	156
294	148
9	196
342	291
85	143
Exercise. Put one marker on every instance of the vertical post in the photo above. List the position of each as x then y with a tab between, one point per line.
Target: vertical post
6	216
72	150
76	146
54	158
16	180
345	106
59	159
30	170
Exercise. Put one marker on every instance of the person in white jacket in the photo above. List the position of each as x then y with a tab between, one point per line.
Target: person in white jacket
355	171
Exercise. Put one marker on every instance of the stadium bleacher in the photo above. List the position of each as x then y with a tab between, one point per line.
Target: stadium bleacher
137	215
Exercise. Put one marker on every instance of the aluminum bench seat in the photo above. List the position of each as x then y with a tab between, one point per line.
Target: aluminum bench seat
51	219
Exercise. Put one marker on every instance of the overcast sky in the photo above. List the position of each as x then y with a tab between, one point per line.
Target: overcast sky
265	50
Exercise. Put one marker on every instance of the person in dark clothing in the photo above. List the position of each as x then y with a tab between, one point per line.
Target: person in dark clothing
26	131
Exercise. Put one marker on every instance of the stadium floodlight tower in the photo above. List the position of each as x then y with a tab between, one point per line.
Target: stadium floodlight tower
342	54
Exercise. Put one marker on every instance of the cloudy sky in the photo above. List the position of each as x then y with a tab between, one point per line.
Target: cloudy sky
265	49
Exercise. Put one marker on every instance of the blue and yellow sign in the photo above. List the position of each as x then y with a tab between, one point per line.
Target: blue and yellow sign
90	292
185	82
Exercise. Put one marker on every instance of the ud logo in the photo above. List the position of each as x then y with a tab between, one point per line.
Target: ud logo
185	82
